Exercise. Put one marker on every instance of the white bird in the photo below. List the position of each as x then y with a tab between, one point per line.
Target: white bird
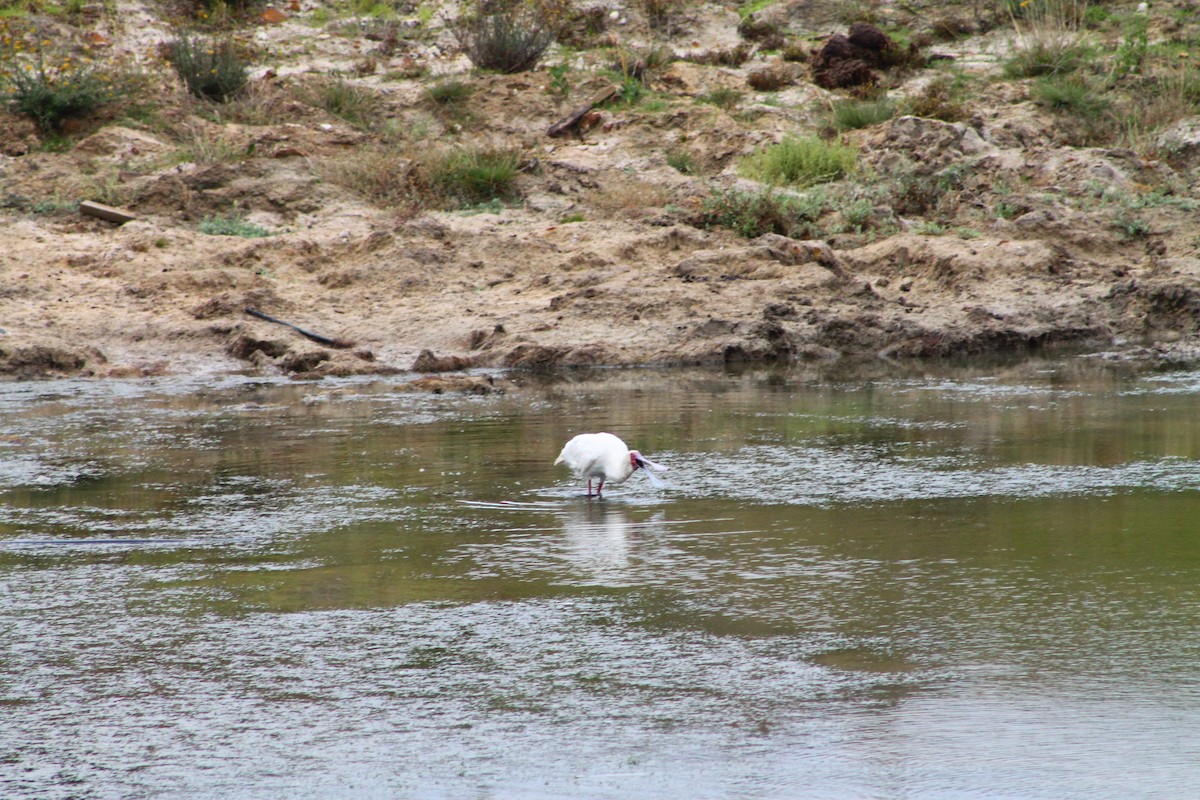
604	457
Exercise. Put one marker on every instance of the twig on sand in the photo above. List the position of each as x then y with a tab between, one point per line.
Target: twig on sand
316	337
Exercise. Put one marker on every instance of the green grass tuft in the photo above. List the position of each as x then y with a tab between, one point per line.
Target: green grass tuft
855	114
472	175
233	224
800	162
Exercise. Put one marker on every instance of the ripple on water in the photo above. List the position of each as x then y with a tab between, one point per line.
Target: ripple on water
418	698
806	475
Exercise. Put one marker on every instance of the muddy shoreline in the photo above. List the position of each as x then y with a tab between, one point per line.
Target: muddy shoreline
607	254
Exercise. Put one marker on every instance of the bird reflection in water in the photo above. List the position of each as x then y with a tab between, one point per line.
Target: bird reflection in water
599	539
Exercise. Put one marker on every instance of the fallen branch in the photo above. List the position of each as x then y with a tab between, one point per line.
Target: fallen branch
572	119
316	337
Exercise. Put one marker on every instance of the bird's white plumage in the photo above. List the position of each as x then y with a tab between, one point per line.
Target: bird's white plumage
603	457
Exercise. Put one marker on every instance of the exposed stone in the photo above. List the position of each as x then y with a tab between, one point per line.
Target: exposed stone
427	361
458	384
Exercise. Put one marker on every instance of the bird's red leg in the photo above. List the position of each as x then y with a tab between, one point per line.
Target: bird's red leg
599	486
589	494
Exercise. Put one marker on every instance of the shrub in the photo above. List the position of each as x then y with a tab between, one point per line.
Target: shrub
910	192
722	97
50	88
857	214
682	162
854	114
1134	45
1131	226
210	70
769	211
508	35
800	162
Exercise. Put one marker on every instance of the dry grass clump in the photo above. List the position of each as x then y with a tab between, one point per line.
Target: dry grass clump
449	98
1050	38
410	176
359	105
628	197
259	103
721	56
378	173
204	144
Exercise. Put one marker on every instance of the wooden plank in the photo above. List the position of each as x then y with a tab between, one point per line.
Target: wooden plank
105	212
572	119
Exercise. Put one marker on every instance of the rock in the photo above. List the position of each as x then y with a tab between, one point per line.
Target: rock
242	345
42	359
792	252
305	361
932	143
1182	138
756	28
233	303
119	145
866	36
772	78
537	357
428	362
460	384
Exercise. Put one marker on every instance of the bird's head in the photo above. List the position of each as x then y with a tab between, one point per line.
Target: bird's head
637	461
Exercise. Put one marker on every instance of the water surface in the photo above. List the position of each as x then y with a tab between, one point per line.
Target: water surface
912	582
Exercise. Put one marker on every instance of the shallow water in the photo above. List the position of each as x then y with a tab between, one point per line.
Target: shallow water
907	583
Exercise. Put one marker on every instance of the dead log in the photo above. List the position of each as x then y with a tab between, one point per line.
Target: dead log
105	212
572	119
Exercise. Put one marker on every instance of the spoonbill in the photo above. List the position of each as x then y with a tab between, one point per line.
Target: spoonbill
605	457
